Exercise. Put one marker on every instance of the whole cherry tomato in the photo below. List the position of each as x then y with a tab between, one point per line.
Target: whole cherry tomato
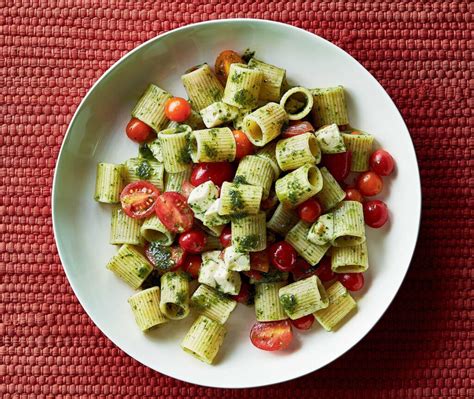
217	172
352	281
193	241
177	109
137	130
352	194
303	323
369	184
310	210
283	256
226	237
375	213
381	162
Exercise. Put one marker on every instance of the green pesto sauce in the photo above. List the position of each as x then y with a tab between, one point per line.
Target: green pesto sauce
273	276
248	242
244	98
240	180
289	302
181	297
144	170
161	256
236	199
210	152
145	152
142	270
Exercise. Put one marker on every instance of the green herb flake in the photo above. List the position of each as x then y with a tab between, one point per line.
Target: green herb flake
289	302
144	170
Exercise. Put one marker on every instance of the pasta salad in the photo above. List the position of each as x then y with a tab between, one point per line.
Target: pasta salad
241	194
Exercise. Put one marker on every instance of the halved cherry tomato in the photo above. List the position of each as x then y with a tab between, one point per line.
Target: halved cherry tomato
192	265
193	241
217	172
271	335
324	271
137	130
138	199
165	259
226	237
244	294
303	323
174	212
186	189
375	213
223	62
309	210
177	109
283	256
369	184
352	281
352	194
243	145
339	165
297	128
259	261
381	162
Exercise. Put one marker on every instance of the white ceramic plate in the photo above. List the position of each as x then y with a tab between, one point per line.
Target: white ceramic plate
96	133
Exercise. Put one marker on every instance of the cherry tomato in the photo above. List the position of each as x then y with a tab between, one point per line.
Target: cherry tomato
217	172
174	212
303	323
283	256
259	261
223	62
297	128
302	270
243	145
192	265
339	165
193	241
381	162
244	294
309	210
270	202
226	237
352	194
271	335
165	258
352	281
375	213
186	189
355	132
177	109
369	184
138	199
137	130
324	271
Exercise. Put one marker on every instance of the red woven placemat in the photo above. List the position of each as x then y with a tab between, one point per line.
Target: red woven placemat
51	52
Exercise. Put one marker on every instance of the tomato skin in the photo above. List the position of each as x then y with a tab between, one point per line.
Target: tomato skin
381	162
324	271
352	281
369	184
310	210
301	270
226	237
339	165
177	109
271	335
303	323
192	265
138	131
283	256
174	212
217	172
375	213
139	199
244	294
256	275
243	145
352	194
300	127
165	258
259	261
223	62
186	189
193	241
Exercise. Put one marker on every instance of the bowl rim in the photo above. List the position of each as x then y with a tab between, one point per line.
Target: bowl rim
417	196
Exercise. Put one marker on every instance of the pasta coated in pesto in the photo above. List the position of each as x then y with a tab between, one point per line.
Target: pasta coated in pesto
124	229
146	308
329	106
256	171
293	152
150	109
264	124
212	145
109	183
301	95
202	86
174	302
267	302
243	86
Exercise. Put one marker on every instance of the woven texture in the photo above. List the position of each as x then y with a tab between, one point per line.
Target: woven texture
51	52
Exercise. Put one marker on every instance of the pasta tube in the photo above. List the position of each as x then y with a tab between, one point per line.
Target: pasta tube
124	229
349	228
212	145
329	106
361	147
153	230
353	259
297	237
249	233
202	86
146	308
298	186
298	93
331	194
174	302
243	86
267	302
211	303
109	183
150	109
293	152
239	199
264	124
273	79
256	171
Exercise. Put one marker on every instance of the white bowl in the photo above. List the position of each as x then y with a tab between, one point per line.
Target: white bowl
96	133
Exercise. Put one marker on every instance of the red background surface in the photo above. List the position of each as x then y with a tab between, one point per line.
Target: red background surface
51	54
